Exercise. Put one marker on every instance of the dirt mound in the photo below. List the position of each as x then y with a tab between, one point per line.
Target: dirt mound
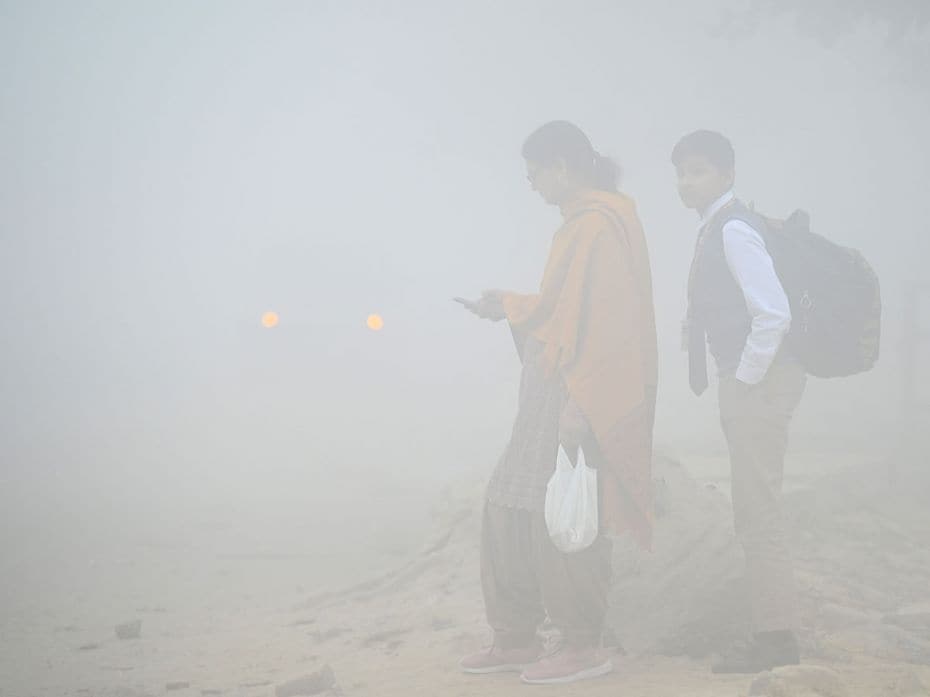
863	564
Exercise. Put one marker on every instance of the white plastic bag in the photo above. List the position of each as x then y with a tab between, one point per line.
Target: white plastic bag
571	504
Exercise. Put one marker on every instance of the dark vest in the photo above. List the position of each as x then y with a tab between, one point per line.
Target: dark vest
717	305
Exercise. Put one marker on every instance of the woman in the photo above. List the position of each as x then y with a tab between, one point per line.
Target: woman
588	347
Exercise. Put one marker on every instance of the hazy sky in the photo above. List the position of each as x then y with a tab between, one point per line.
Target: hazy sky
172	170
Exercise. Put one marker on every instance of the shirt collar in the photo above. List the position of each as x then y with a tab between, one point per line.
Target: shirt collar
714	208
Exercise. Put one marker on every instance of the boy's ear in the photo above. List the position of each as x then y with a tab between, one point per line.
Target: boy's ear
731	178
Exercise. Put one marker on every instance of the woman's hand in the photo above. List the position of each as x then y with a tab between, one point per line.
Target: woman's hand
573	428
489	306
492	305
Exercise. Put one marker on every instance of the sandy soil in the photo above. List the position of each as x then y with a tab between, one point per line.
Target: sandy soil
242	608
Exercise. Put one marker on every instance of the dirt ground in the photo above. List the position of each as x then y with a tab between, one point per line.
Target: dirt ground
225	612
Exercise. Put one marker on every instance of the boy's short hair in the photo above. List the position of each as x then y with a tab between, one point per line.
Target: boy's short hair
708	144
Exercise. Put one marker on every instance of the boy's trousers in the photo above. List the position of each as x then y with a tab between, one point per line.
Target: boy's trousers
755	421
524	578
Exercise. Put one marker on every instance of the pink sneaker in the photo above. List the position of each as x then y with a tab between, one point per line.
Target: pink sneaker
567	665
498	660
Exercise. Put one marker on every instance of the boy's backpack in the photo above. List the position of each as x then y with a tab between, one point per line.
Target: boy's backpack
834	296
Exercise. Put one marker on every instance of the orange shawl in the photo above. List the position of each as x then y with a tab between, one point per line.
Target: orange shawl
594	313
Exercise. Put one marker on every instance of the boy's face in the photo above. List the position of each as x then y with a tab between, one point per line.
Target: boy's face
701	182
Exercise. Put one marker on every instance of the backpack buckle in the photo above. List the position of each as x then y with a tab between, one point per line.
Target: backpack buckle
806	304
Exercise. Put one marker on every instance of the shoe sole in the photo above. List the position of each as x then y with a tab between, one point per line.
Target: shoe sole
595	672
502	668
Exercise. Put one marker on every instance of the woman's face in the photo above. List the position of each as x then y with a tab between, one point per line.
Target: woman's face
550	180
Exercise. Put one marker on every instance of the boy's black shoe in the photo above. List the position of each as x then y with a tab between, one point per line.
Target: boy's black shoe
766	651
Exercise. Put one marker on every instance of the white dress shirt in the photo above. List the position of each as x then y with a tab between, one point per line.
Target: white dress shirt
752	267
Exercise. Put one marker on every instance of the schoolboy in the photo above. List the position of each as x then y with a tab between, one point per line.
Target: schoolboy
738	307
